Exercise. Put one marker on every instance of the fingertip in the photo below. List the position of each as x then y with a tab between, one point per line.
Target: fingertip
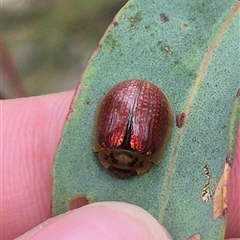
31	128
106	220
233	219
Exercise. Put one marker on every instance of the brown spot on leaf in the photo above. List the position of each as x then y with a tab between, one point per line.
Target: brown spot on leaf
99	46
78	202
163	17
185	26
195	237
180	119
115	24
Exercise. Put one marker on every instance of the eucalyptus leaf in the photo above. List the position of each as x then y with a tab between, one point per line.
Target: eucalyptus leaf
190	50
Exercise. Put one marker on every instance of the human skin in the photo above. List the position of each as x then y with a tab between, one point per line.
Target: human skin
31	129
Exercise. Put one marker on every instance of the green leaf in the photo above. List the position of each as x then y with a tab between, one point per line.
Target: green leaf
190	50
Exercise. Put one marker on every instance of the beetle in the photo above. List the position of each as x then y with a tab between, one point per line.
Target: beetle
132	127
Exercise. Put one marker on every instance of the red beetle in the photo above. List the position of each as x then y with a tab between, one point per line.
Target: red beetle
133	124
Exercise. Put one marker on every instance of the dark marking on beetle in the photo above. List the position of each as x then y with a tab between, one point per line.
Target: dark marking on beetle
127	136
180	119
106	157
133	173
114	160
135	160
141	164
111	169
163	17
115	24
238	93
122	173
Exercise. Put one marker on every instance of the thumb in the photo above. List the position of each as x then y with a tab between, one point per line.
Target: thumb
105	220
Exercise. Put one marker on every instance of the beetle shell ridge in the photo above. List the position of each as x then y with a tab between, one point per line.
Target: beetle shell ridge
133	124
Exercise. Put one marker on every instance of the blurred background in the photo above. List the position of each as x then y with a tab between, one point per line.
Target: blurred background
46	43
